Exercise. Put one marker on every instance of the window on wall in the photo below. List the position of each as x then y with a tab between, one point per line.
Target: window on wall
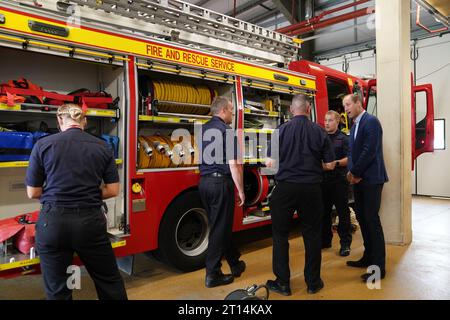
372	101
439	134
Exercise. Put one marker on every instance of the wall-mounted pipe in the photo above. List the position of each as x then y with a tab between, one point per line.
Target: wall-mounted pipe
319	17
332	21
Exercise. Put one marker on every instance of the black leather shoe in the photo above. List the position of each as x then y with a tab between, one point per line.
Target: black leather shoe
275	286
238	268
361	263
313	290
220	280
366	276
345	251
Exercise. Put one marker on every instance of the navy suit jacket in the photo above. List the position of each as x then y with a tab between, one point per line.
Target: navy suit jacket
365	159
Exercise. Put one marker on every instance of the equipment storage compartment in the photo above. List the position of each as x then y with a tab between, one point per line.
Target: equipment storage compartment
172	106
266	106
175	102
47	81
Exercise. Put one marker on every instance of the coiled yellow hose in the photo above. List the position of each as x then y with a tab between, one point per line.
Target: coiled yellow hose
170	91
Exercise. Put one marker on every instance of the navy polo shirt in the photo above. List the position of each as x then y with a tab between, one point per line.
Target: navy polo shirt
303	145
70	167
339	141
216	148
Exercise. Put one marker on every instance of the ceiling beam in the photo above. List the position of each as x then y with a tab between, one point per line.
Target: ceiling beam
245	7
266	7
201	3
330	4
285	7
264	16
269	23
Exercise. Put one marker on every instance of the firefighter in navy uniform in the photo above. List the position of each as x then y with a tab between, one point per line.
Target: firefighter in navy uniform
219	173
65	173
335	188
304	147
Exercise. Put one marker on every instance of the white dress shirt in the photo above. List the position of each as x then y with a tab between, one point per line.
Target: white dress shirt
357	120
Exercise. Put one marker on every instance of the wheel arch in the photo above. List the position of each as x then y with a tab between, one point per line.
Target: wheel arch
171	225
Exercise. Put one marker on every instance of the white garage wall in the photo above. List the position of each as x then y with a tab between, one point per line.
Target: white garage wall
433	177
361	64
348	32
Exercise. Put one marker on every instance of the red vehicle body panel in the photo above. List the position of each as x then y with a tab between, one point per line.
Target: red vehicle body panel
322	73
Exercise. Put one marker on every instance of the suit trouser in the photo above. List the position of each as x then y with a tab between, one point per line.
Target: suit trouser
367	205
336	193
61	232
307	200
217	194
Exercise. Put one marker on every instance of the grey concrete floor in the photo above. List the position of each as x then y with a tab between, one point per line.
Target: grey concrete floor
418	271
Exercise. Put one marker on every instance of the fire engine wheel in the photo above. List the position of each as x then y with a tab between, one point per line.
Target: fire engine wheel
183	235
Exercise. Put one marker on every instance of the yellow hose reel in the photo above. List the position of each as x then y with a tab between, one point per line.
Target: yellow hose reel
168	93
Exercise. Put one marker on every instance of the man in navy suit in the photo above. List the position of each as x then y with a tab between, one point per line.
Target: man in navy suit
368	174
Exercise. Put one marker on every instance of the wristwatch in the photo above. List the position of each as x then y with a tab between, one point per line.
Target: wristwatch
337	163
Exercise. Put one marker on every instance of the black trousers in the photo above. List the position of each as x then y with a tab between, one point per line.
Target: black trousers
335	192
367	205
307	200
217	194
61	232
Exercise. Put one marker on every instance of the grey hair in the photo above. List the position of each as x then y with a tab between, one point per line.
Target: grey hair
218	104
300	102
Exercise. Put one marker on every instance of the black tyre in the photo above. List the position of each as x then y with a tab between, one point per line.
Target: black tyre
183	234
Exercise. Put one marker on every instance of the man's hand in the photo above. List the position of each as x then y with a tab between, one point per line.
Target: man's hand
349	176
34	192
352	179
270	163
329	166
110	190
238	179
241	198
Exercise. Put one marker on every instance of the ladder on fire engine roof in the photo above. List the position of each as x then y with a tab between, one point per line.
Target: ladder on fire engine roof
180	22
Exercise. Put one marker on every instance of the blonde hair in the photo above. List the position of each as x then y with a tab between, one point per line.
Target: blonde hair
335	114
71	111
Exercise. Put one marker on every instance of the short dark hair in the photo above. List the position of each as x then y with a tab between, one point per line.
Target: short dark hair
354	97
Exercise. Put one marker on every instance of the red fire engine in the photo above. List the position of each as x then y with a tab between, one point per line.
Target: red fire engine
160	65
332	84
